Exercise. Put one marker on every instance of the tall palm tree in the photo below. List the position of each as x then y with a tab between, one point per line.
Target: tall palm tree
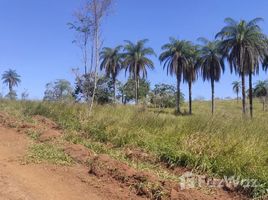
189	74
236	88
211	64
175	57
244	45
136	61
11	78
111	63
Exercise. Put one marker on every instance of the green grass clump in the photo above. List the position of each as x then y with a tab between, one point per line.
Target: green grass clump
48	153
221	145
33	134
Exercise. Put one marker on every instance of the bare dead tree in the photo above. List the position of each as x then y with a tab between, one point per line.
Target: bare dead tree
98	10
83	28
88	26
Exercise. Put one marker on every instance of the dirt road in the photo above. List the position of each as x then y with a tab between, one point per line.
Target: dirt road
45	182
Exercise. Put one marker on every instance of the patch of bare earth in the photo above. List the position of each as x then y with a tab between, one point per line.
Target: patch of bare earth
47	182
78	152
149	186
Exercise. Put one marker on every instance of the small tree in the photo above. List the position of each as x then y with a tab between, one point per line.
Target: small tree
12	79
236	88
24	95
85	87
128	92
164	95
260	91
12	95
59	90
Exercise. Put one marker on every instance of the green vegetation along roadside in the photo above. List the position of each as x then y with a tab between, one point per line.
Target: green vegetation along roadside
222	145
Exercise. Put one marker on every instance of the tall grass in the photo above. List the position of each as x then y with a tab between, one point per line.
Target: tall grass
222	145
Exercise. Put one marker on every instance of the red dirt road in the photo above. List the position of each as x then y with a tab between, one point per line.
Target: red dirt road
45	182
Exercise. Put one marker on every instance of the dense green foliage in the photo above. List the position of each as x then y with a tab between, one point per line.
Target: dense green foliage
164	96
127	91
85	86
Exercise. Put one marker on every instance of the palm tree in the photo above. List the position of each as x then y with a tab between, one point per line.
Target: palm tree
211	64
244	45
175	57
11	78
260	91
136	61
111	63
189	74
236	88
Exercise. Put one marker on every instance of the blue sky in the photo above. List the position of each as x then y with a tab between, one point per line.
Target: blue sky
35	39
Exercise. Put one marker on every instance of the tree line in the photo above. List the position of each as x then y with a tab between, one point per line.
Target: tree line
241	43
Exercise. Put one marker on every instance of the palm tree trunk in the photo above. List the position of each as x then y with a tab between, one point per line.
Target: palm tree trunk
114	84
136	91
178	111
10	88
250	95
190	97
212	96
243	93
122	96
237	97
136	85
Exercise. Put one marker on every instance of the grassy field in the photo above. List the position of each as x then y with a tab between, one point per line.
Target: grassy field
222	145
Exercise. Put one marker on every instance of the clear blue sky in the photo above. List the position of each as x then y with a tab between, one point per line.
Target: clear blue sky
35	40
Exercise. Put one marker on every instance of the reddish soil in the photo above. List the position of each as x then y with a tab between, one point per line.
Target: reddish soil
45	122
47	182
148	185
139	155
47	135
78	152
